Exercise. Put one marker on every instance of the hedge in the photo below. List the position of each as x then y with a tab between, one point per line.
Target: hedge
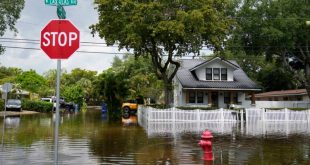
1	105
38	106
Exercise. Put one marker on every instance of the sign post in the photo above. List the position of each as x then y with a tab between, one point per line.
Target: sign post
59	40
6	88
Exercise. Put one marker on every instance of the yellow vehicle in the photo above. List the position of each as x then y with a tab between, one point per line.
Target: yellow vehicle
130	106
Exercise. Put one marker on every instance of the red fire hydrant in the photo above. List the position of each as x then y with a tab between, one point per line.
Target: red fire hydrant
206	144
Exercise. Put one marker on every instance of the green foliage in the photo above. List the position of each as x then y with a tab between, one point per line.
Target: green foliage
130	78
76	75
113	86
193	108
8	74
157	28
141	76
1	105
275	30
74	93
276	78
9	13
85	79
38	106
32	81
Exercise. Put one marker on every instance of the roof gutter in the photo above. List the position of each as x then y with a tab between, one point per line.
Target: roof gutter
223	89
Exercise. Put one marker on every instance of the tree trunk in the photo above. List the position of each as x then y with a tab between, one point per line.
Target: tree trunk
168	94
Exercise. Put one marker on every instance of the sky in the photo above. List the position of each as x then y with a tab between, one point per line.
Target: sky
34	17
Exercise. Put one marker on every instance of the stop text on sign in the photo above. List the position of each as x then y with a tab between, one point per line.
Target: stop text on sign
59	39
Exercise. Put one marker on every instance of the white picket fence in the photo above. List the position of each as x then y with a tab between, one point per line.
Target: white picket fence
254	114
176	115
257	121
150	114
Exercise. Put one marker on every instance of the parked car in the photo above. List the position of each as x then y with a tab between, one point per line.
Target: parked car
14	104
62	104
130	105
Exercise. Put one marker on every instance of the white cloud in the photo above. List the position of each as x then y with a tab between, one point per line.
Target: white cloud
34	17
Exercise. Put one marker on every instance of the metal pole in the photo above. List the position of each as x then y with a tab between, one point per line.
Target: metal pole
3	129
57	113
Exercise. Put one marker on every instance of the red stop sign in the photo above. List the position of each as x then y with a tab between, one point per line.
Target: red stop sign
60	39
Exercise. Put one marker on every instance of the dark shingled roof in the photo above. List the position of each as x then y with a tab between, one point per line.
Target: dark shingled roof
189	80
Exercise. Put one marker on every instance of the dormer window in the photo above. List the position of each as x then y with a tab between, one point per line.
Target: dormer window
223	73
216	74
209	74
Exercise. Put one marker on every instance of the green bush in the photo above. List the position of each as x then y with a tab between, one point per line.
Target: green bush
38	106
1	105
193	108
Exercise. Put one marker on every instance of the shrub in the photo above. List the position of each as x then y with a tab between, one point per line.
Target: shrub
1	105
193	108
38	106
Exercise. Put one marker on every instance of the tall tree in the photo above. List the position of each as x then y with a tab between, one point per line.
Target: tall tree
32	81
9	13
163	29
276	30
113	87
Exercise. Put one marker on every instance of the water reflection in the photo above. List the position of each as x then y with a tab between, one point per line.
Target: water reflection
12	121
279	128
250	128
132	120
86	139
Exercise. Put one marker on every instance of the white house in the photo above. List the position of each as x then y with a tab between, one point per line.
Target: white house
214	83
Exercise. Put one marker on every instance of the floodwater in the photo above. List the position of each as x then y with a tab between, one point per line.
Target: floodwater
88	138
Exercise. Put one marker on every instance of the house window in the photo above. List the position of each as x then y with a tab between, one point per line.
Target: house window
223	73
199	97
192	97
299	98
209	74
226	98
216	73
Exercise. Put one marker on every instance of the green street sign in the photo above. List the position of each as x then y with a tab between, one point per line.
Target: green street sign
61	2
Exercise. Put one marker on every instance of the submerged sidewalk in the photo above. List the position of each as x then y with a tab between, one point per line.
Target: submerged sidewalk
15	113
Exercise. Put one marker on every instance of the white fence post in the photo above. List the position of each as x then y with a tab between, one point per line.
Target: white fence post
198	115
263	114
173	114
222	114
286	114
241	115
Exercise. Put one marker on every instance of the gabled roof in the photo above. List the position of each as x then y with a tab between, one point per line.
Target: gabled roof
214	60
294	92
188	80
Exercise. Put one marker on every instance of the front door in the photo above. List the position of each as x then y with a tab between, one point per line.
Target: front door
215	99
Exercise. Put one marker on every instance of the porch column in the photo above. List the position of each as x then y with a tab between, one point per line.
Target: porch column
210	98
253	98
231	101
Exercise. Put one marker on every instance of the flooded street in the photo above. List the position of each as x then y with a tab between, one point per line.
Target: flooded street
88	138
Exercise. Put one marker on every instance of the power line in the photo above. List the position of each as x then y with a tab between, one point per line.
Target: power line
99	44
33	40
79	51
36	43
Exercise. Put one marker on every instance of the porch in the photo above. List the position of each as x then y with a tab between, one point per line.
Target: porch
215	98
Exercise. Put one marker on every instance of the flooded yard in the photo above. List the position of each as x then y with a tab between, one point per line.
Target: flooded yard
88	138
